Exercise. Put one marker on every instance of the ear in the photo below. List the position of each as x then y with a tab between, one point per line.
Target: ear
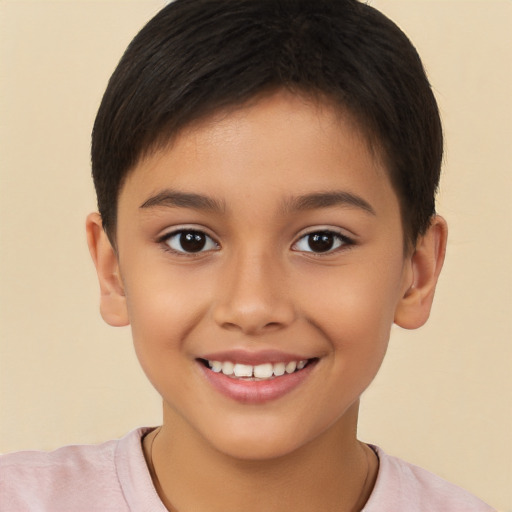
424	267
112	301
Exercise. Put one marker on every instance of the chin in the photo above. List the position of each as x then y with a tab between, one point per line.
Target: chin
258	442
255	451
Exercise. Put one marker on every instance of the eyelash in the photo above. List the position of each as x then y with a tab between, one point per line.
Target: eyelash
165	239
343	242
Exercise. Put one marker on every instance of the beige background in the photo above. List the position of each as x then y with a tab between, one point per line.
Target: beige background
443	399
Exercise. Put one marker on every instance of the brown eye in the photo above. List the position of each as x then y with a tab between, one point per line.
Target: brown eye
190	241
321	242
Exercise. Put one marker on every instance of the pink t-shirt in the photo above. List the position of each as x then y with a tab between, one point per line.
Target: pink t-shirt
113	476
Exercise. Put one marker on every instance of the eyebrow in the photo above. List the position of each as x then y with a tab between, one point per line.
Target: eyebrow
327	199
316	200
175	199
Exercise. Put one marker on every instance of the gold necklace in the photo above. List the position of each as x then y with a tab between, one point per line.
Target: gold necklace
151	466
152	471
358	503
156	482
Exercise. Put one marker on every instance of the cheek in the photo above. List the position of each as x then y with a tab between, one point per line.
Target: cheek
163	307
161	316
354	305
355	313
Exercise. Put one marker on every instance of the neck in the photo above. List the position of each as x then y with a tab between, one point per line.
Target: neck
334	473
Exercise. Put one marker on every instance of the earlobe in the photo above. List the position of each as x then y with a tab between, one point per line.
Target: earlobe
112	301
425	265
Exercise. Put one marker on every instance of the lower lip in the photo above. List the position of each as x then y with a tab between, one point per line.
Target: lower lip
256	391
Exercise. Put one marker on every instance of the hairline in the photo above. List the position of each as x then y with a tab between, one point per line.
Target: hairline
165	139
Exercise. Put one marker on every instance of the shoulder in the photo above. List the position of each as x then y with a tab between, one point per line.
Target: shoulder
78	478
404	487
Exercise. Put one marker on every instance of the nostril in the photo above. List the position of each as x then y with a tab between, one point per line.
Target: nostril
273	325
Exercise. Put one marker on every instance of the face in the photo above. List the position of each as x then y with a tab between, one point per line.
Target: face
265	242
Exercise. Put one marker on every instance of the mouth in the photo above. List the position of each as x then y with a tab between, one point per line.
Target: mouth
257	383
255	373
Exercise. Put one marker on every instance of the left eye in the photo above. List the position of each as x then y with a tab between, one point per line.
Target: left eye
190	241
321	242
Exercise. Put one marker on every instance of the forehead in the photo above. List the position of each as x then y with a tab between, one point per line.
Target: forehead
273	148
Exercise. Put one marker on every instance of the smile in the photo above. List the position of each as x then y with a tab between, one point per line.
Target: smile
256	383
263	371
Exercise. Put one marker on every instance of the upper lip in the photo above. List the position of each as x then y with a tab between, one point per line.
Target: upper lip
254	358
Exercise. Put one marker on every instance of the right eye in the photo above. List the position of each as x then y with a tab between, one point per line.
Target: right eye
190	241
322	242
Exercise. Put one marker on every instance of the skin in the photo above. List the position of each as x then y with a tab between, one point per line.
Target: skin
259	286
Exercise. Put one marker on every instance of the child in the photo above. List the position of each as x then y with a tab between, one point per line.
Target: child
265	173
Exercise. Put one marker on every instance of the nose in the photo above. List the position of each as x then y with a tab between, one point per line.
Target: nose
253	296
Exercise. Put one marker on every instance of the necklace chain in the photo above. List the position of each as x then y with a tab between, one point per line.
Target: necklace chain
156	481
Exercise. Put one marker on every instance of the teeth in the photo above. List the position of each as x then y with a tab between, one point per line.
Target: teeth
279	369
291	366
216	366
261	371
242	370
227	368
